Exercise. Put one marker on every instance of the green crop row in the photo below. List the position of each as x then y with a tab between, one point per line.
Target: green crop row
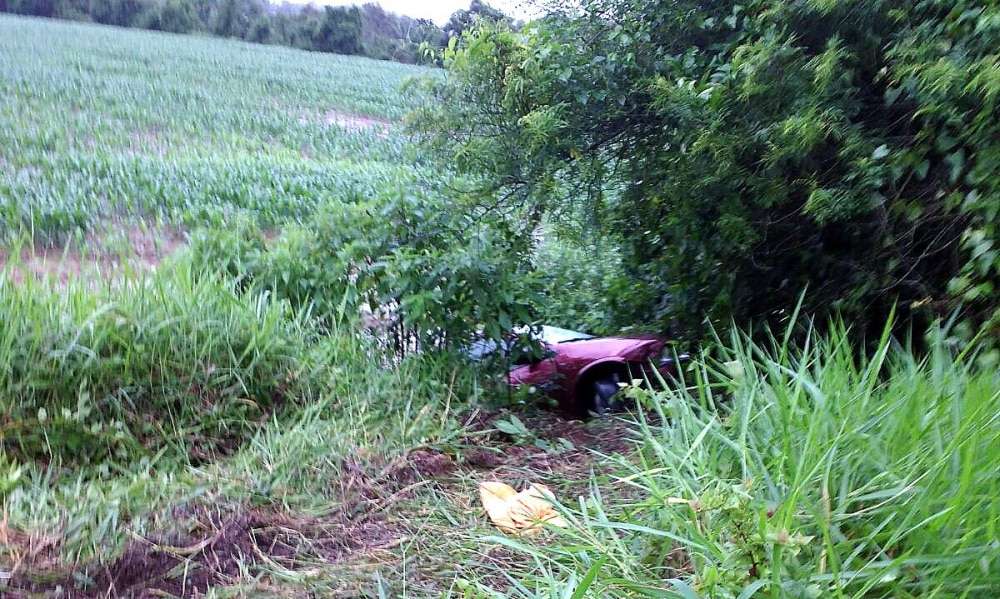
109	123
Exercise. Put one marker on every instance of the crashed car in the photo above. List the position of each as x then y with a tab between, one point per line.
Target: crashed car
582	372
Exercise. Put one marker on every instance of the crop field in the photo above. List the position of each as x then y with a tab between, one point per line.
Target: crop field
102	124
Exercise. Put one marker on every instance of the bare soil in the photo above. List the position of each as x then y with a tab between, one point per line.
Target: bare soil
562	454
350	121
105	251
354	121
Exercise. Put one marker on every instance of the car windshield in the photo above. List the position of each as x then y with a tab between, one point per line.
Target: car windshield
553	335
547	335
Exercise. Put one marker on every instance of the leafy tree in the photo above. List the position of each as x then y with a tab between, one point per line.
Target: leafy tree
260	30
380	33
75	10
203	10
444	276
234	18
37	8
741	151
427	39
389	36
123	13
225	18
339	30
478	12
178	16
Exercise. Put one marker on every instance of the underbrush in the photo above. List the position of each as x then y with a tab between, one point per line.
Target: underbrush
221	417
784	472
308	462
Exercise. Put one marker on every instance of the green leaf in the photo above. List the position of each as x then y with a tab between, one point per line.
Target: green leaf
922	168
683	589
589	578
752	588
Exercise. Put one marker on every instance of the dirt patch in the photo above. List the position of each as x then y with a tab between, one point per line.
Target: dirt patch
557	448
147	141
422	464
218	549
354	121
569	440
349	121
18	548
448	524
216	559
210	546
103	253
561	451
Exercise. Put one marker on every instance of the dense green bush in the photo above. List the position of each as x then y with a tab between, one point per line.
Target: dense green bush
741	151
577	283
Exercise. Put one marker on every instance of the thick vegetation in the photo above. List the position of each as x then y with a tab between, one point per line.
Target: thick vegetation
128	371
738	152
797	472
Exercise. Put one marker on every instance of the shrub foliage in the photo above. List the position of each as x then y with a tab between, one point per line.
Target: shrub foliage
739	151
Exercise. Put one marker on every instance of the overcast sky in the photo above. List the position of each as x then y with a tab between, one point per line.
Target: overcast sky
437	10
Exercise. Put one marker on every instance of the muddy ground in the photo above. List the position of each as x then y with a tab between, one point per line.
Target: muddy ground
217	547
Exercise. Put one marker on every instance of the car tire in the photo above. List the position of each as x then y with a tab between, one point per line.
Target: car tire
603	393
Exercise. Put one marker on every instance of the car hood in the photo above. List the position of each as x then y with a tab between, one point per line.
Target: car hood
608	347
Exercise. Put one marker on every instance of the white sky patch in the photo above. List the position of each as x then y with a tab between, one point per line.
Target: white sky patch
436	10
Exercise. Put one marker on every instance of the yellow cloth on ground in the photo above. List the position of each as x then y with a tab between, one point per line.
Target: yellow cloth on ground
522	513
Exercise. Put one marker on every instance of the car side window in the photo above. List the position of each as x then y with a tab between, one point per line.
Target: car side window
525	354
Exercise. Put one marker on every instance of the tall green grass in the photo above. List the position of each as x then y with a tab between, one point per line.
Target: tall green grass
308	461
809	471
145	363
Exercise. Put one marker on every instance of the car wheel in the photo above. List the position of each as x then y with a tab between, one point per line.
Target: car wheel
603	392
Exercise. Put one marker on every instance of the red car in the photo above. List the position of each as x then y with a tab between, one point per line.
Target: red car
583	372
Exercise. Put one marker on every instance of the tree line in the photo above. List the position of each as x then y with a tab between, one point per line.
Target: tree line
366	30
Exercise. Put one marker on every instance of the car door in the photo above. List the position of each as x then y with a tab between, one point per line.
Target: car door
542	372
